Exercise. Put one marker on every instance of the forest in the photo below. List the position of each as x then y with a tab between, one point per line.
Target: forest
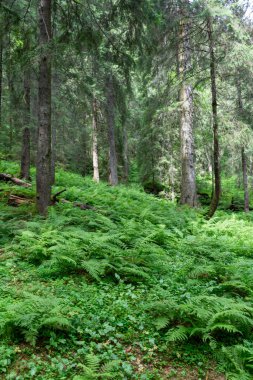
126	189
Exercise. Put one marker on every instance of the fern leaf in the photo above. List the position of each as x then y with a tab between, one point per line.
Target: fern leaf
177	334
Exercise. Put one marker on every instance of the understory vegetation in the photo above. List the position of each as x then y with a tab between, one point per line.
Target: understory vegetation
134	287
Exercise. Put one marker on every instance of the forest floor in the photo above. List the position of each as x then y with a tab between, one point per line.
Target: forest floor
132	287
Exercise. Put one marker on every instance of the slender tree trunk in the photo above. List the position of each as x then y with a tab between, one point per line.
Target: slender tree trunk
216	153
245	180
188	177
43	178
95	140
53	151
12	111
243	154
25	155
125	153
1	76
113	177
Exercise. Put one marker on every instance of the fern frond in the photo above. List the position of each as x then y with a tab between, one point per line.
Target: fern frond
177	334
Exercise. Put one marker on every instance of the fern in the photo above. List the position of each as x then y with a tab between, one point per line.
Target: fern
34	314
178	334
94	370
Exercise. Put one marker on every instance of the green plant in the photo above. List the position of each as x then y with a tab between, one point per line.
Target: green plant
33	316
92	369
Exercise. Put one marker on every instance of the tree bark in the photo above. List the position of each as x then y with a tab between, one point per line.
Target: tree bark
243	154
125	153
16	181
95	140
188	177
25	155
1	65
245	180
216	153
1	76
113	176
43	178
53	153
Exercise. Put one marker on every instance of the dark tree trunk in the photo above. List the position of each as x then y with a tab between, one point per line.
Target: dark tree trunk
25	156
216	154
1	76
110	109
43	178
95	140
53	151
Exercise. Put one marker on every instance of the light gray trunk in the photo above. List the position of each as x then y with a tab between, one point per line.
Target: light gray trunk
243	154
188	177
95	141
216	149
245	180
43	178
125	153
110	109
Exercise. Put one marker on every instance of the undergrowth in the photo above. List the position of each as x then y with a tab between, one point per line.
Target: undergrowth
120	289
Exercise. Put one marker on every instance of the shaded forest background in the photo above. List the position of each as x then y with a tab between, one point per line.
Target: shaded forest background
153	92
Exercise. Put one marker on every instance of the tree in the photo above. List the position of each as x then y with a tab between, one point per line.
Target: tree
43	177
188	180
25	155
216	154
110	114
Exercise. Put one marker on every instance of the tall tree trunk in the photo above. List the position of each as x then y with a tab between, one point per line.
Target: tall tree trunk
25	155
53	151
110	109
12	111
43	178
125	152
188	177
95	140
243	154
1	65
1	76
216	153
245	180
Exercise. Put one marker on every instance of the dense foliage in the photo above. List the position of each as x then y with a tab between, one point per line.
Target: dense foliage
135	287
126	174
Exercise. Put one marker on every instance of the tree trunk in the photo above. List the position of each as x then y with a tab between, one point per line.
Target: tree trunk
245	181
188	177
43	178
216	154
243	154
1	76
95	141
53	151
25	156
125	153
113	176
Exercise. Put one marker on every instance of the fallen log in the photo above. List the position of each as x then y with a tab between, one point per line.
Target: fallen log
16	181
16	200
83	206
